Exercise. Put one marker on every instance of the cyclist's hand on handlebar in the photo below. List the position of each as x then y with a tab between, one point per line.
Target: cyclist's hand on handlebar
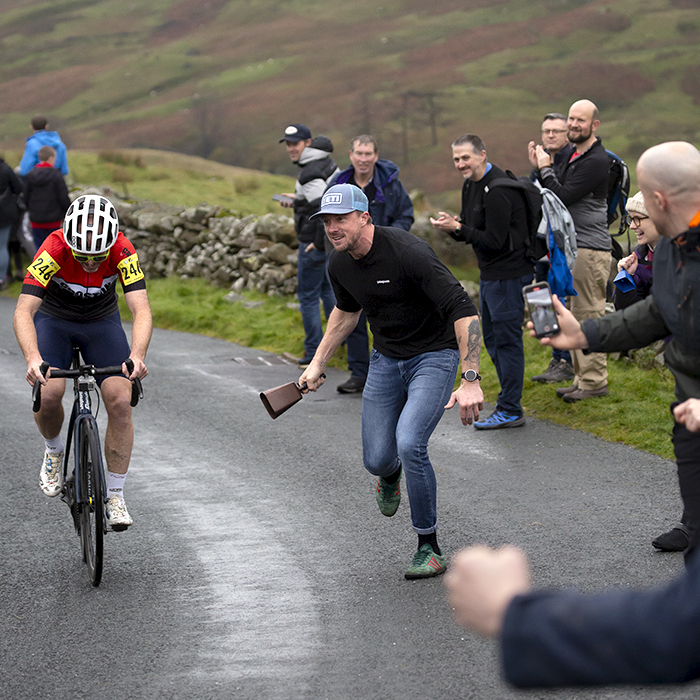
313	377
37	371
139	372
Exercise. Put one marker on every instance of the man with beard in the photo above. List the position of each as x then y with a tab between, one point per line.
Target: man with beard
581	182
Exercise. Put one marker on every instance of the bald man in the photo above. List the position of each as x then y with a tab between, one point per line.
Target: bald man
581	182
565	638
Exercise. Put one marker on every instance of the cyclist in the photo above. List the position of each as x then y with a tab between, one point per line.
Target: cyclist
69	296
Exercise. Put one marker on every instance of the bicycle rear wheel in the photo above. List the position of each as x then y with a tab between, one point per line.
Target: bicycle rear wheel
92	505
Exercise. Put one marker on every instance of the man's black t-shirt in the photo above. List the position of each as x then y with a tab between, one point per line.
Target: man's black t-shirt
411	299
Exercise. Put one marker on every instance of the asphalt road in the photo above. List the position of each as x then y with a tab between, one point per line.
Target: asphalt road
259	566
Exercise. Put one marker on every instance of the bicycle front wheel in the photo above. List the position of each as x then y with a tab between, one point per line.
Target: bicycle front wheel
92	518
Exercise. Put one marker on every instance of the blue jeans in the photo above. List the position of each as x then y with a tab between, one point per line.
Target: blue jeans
402	404
502	315
312	285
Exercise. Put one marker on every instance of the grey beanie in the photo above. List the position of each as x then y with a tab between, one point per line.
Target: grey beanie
636	205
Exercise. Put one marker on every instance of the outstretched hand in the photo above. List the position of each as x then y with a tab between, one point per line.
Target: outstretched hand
688	413
470	399
445	222
481	583
570	336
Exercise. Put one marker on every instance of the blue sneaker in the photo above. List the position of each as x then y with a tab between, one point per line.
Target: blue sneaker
500	419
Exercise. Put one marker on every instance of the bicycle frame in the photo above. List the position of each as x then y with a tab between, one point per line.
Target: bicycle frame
82	409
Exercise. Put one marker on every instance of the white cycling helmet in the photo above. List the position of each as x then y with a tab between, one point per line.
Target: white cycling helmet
91	236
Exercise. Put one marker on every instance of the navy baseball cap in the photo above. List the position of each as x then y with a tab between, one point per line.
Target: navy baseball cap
342	199
296	132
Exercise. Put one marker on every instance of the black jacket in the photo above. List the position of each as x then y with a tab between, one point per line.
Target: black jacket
46	195
494	221
10	188
671	310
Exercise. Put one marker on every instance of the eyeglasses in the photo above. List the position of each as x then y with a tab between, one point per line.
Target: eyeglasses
553	132
635	221
90	258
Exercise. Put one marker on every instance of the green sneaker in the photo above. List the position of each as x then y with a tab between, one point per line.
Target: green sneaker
426	564
389	495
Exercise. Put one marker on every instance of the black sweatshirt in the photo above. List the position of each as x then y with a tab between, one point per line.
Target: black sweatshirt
494	221
411	299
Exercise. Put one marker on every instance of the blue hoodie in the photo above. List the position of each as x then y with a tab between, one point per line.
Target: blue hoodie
35	142
392	206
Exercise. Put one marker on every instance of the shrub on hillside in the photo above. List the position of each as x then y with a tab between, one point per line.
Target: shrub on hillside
607	84
245	184
690	83
120	158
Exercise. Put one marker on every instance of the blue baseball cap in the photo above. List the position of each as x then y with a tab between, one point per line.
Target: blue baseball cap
342	199
296	132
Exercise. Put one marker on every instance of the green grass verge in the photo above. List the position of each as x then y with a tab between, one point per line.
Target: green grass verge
635	413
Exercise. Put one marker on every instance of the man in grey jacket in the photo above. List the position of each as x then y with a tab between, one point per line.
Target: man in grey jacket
316	170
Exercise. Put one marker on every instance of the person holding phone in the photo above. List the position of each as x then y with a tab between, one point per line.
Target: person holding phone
313	156
563	638
494	221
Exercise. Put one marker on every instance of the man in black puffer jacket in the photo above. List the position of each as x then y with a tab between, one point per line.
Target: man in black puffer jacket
46	195
317	169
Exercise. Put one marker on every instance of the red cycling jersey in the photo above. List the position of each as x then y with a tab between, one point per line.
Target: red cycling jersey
70	293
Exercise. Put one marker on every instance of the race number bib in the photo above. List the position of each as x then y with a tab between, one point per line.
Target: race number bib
43	268
130	270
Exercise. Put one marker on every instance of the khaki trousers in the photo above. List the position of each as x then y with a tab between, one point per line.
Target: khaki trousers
591	273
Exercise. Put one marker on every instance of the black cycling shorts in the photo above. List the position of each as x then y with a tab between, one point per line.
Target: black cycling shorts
102	343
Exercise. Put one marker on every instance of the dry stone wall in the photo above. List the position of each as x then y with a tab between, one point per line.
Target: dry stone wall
240	253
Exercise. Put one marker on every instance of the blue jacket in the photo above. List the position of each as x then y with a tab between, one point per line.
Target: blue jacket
31	151
392	206
565	638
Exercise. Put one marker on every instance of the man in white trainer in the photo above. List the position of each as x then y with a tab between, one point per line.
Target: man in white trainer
69	296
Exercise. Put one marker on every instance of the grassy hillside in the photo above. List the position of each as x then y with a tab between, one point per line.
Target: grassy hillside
221	78
176	178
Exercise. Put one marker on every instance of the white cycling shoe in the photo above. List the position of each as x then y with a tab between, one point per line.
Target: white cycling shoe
118	517
51	474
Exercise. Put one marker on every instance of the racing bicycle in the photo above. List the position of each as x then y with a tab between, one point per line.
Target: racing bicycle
84	490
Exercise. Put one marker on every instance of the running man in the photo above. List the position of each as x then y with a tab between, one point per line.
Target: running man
69	296
424	324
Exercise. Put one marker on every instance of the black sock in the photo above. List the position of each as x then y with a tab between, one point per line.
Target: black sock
393	478
430	539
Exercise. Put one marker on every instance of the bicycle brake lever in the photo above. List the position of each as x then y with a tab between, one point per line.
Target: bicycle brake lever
136	387
36	389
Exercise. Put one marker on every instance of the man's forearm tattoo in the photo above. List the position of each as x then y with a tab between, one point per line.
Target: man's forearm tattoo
473	344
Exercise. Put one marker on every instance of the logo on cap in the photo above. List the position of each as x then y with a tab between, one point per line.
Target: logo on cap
332	198
290	130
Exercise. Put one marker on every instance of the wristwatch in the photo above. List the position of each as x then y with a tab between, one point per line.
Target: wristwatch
471	375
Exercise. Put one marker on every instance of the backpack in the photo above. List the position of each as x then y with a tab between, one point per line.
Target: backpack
618	192
536	244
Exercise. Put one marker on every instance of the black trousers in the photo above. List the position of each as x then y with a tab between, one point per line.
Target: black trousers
686	446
